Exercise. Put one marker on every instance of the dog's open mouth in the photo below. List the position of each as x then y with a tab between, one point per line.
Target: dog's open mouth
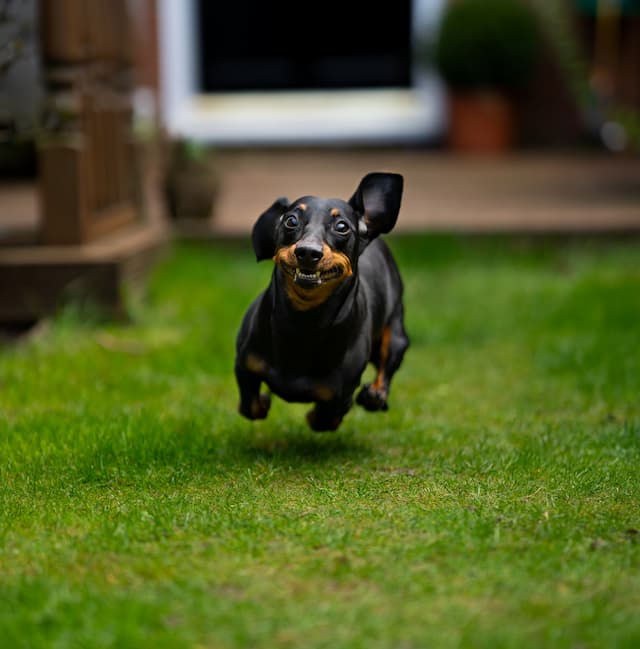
308	288
311	279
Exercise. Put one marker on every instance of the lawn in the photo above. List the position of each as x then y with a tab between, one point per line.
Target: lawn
496	504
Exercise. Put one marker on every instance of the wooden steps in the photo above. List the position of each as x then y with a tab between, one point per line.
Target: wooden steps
36	280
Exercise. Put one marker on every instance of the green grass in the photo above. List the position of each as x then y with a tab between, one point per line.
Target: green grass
494	505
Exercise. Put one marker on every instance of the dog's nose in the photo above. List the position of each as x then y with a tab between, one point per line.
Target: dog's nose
308	252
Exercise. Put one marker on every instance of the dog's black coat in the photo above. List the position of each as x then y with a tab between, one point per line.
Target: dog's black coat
334	304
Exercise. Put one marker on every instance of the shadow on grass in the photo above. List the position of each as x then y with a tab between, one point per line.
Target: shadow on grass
184	449
298	447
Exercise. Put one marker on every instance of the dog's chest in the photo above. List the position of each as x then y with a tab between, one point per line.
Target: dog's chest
312	372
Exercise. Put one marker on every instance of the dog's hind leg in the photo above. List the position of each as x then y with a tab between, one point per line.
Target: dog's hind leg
327	415
386	356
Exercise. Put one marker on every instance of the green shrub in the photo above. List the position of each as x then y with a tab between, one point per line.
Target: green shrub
487	44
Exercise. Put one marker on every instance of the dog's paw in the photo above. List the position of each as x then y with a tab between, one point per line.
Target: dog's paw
257	408
322	424
371	398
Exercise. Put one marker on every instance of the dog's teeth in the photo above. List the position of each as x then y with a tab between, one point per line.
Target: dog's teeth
307	277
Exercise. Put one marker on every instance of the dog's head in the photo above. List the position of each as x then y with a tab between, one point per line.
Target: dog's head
316	241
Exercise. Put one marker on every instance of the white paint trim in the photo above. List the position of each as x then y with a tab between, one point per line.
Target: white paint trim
341	116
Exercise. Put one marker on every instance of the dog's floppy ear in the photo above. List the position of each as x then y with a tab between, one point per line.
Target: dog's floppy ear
263	235
377	199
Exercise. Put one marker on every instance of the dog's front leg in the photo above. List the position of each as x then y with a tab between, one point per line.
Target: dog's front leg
253	405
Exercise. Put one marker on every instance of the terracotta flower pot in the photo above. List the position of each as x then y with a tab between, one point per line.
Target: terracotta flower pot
481	122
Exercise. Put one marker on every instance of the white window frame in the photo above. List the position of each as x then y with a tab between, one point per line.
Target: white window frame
355	116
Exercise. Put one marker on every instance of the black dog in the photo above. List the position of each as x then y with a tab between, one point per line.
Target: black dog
334	304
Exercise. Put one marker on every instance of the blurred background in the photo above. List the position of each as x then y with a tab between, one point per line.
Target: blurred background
125	124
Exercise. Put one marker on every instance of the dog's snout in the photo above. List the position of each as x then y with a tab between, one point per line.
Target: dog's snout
308	252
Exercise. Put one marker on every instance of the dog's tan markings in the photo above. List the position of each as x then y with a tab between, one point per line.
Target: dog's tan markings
259	407
323	392
334	212
304	299
302	207
255	364
385	343
256	408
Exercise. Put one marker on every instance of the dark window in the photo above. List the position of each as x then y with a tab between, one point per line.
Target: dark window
285	45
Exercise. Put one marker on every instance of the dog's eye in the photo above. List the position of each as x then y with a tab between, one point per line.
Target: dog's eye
341	227
291	222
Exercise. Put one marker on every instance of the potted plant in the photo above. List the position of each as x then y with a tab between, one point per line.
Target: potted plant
190	181
485	50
